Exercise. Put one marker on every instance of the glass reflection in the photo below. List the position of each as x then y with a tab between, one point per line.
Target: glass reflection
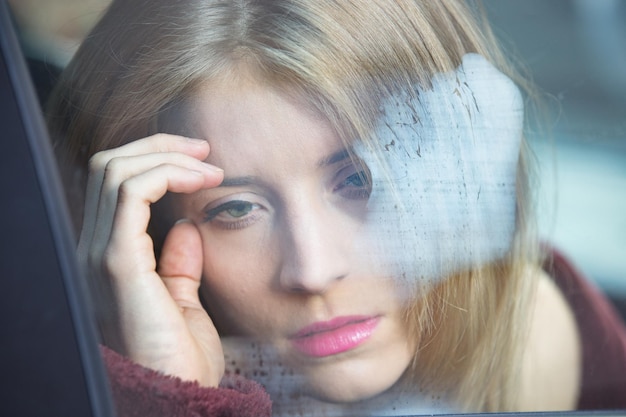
353	229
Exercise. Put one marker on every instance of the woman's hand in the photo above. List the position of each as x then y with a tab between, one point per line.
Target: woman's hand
155	318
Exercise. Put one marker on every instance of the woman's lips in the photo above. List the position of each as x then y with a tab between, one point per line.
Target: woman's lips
334	336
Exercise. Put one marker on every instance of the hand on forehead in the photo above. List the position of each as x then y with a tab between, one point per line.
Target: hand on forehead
443	172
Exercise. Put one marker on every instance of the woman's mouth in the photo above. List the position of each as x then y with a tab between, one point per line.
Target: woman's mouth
334	336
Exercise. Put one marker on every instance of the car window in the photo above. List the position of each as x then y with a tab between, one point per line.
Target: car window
572	49
281	198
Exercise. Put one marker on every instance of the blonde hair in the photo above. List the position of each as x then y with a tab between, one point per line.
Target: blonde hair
147	58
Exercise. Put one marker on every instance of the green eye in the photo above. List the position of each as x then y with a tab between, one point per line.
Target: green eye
240	209
234	209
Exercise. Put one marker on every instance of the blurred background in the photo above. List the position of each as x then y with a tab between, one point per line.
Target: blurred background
574	51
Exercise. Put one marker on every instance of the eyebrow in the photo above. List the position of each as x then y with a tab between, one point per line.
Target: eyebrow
241	181
334	158
248	180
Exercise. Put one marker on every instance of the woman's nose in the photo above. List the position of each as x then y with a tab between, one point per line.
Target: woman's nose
315	250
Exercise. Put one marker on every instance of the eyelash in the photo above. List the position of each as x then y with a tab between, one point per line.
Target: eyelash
212	215
346	188
358	192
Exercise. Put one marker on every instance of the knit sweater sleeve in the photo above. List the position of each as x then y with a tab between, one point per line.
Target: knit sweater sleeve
139	391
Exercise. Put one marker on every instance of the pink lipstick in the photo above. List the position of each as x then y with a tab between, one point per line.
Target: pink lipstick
334	336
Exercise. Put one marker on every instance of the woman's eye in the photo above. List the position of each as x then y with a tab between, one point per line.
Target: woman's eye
356	180
239	209
233	214
355	186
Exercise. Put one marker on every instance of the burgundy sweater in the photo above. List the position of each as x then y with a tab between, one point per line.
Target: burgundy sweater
603	336
141	392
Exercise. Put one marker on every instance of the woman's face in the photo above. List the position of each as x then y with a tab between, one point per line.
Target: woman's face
278	239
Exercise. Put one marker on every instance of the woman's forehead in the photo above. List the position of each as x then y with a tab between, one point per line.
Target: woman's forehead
253	121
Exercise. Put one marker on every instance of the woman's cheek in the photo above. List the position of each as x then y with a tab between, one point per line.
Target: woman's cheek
235	287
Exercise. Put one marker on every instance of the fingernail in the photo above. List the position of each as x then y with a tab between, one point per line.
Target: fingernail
197	141
213	168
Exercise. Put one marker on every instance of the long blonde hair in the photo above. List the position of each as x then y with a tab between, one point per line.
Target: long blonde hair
147	57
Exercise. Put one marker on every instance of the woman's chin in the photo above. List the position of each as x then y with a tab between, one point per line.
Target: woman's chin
344	395
356	377
324	401
344	388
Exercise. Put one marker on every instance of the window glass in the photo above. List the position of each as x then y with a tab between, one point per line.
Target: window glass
579	62
374	209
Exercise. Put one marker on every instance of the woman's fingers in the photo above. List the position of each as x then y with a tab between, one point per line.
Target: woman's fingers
132	211
125	175
180	264
138	176
180	267
100	165
160	143
156	320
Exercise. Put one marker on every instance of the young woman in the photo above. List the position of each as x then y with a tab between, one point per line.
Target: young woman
350	225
